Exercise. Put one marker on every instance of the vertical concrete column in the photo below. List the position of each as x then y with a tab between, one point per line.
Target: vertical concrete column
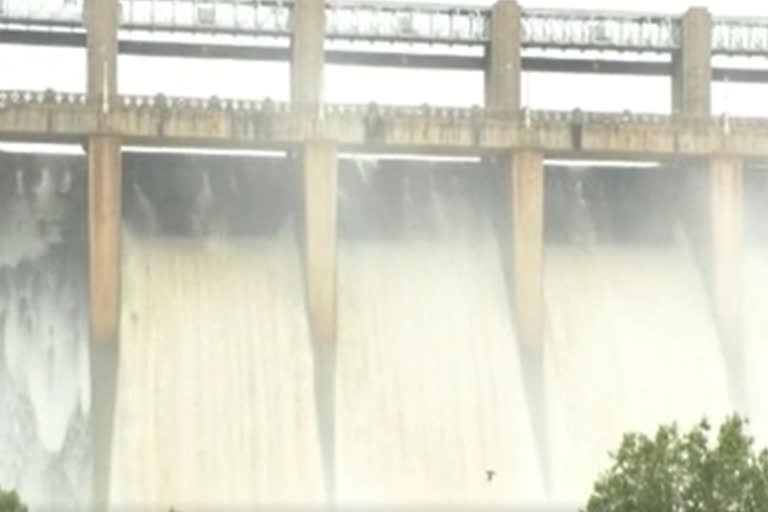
527	206
320	211
308	53
104	218
104	173
102	21
727	225
320	221
504	69
526	200
692	64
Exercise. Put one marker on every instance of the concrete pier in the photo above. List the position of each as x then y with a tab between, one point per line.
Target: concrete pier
527	202
102	20
104	214
308	53
104	220
692	64
727	261
320	221
504	66
692	94
104	173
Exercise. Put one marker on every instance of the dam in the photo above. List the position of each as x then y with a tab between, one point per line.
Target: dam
305	324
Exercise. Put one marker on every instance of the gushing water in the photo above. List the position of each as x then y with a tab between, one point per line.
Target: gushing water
215	403
631	342
756	327
44	396
429	380
216	399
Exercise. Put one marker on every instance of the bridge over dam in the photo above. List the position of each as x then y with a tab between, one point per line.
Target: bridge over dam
704	158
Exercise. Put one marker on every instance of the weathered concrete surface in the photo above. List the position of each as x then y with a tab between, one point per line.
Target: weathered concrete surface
727	262
104	363
102	18
104	217
320	166
527	206
406	129
502	78
526	201
320	226
692	65
307	53
104	214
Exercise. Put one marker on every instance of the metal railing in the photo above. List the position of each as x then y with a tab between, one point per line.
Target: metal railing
583	29
405	21
740	36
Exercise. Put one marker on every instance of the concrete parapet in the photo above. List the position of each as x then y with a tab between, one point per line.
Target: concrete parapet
230	123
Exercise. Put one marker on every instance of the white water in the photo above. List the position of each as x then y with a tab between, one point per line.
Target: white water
43	349
216	399
215	402
631	345
756	338
430	388
43	388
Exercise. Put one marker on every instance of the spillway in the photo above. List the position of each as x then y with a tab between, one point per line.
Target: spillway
44	395
429	380
631	342
215	401
756	300
218	386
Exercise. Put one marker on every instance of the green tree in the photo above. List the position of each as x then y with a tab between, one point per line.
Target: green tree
685	472
9	502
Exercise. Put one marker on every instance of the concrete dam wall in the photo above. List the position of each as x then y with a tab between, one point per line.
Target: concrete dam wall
223	400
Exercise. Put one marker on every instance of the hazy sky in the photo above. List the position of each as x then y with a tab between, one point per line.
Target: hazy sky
37	68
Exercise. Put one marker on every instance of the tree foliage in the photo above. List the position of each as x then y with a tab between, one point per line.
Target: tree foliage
685	472
10	502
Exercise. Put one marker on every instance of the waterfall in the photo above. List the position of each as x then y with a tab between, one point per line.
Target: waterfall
218	380
44	395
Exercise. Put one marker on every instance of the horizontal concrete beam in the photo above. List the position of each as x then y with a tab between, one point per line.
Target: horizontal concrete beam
163	121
